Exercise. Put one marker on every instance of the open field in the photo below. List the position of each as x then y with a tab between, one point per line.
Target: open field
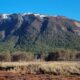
40	70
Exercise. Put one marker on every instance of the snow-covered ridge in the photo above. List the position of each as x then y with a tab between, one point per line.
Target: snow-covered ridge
38	15
5	16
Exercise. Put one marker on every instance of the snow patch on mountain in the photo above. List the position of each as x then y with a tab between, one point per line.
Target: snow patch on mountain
4	16
40	15
37	15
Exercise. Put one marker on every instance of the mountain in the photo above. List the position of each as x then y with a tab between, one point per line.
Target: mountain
37	32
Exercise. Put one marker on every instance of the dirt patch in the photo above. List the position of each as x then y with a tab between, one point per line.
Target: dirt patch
5	75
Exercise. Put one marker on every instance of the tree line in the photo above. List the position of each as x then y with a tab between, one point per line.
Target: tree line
56	55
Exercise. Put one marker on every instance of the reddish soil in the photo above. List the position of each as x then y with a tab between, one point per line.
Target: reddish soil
18	76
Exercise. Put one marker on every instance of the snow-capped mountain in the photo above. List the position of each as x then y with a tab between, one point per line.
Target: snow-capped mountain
30	29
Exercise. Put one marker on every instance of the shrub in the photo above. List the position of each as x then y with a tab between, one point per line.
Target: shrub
52	56
22	56
63	55
5	57
78	56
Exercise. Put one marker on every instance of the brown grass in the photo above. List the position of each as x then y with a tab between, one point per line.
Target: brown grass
55	68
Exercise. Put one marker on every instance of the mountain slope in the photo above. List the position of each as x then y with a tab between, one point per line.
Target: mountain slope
36	32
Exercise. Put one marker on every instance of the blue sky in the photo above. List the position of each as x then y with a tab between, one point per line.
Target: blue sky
69	8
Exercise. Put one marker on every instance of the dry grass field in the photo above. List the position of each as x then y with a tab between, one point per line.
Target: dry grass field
55	68
40	70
